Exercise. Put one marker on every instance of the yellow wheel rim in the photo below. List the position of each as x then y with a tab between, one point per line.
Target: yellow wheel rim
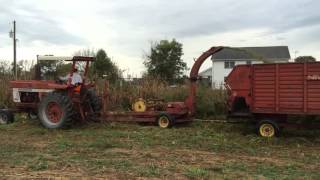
267	130
139	106
164	122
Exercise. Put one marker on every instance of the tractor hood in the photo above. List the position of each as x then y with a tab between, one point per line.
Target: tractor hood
37	84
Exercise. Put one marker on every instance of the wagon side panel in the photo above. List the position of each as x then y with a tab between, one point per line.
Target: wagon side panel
290	88
263	88
312	83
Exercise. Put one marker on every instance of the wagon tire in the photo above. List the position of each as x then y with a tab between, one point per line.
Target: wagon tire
165	121
55	111
268	128
6	117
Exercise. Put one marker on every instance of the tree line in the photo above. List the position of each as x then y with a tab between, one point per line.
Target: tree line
163	61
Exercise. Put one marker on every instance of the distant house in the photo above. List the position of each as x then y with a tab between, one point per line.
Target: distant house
226	59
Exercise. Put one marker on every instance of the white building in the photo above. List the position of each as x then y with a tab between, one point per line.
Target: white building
226	59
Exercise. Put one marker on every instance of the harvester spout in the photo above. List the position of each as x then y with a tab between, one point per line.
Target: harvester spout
190	101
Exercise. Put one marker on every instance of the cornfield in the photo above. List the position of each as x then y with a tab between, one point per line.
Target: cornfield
209	103
24	72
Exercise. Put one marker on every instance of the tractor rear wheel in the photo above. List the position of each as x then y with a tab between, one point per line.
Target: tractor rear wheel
55	111
6	117
95	101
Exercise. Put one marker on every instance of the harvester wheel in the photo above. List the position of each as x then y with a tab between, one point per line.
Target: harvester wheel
95	101
6	117
55	111
268	128
139	105
165	121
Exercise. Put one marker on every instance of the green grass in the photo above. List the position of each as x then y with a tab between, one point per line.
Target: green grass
39	164
149	170
201	150
196	173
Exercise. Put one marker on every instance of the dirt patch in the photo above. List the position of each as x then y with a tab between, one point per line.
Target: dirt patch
23	172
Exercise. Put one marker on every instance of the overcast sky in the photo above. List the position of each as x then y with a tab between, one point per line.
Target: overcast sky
125	28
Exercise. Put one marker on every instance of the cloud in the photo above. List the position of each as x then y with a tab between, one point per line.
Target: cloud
136	22
126	28
35	25
203	17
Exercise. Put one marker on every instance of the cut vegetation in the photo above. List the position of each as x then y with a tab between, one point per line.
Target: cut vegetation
199	150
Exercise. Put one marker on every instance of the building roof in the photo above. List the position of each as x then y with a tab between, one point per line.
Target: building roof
205	71
53	58
258	53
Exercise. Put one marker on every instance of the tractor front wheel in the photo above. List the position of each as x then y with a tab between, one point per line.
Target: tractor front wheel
6	117
55	111
32	115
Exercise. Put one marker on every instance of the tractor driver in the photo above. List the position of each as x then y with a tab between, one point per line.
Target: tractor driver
76	77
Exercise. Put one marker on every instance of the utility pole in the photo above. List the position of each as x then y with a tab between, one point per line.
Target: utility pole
12	35
14	51
295	54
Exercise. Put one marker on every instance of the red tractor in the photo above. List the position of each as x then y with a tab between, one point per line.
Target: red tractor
57	103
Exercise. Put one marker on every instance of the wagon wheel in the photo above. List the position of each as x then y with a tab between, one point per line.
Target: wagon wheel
268	128
165	121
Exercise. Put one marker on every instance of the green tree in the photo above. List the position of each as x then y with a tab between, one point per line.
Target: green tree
49	69
5	68
85	52
302	59
63	68
104	66
165	61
